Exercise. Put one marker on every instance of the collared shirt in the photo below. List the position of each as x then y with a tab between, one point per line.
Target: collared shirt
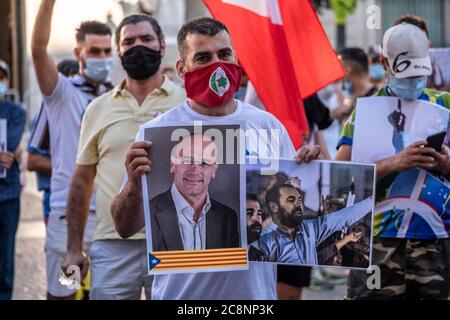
279	246
108	130
15	118
270	228
193	233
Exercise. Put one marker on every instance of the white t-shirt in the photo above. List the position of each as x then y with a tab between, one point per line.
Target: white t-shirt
259	282
65	109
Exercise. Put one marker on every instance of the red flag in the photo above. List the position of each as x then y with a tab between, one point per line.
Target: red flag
284	51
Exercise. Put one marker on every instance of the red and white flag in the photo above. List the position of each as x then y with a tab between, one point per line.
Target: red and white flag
284	51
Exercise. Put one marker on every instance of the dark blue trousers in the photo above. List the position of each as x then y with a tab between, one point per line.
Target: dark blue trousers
9	220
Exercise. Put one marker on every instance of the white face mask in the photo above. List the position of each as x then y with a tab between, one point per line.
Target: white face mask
3	88
98	69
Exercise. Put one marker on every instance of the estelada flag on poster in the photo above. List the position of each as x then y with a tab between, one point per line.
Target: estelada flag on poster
284	51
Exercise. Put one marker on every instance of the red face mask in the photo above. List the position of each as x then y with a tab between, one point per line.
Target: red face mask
213	85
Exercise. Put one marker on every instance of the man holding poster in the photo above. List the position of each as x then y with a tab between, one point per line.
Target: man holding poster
411	256
206	50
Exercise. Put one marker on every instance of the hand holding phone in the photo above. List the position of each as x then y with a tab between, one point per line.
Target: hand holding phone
436	141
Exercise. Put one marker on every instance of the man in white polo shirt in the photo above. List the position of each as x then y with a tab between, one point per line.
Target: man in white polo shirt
205	47
65	101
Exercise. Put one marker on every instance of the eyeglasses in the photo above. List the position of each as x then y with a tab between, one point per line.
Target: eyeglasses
204	163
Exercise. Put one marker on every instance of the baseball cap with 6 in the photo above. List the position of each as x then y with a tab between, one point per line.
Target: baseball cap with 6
407	49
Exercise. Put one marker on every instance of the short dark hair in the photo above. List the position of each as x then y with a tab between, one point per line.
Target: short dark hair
414	20
68	67
252	197
204	26
138	18
273	194
358	56
91	27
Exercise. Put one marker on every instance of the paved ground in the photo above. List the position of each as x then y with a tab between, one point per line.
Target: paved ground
30	278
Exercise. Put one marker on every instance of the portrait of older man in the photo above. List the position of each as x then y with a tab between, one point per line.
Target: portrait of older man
185	217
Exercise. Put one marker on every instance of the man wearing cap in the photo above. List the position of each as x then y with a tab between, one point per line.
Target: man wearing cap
9	185
185	217
414	265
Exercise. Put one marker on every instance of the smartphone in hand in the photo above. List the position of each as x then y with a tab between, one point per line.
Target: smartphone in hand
436	141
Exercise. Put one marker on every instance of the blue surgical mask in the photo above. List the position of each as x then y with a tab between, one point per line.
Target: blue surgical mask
98	69
3	88
408	88
377	72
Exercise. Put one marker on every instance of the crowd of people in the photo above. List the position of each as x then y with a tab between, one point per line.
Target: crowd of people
89	163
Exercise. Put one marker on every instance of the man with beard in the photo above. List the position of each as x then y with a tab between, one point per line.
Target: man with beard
254	226
294	240
254	218
185	217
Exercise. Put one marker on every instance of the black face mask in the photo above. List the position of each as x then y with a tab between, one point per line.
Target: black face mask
141	62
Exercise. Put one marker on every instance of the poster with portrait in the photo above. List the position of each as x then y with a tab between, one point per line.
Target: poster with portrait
316	214
415	202
194	199
3	146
